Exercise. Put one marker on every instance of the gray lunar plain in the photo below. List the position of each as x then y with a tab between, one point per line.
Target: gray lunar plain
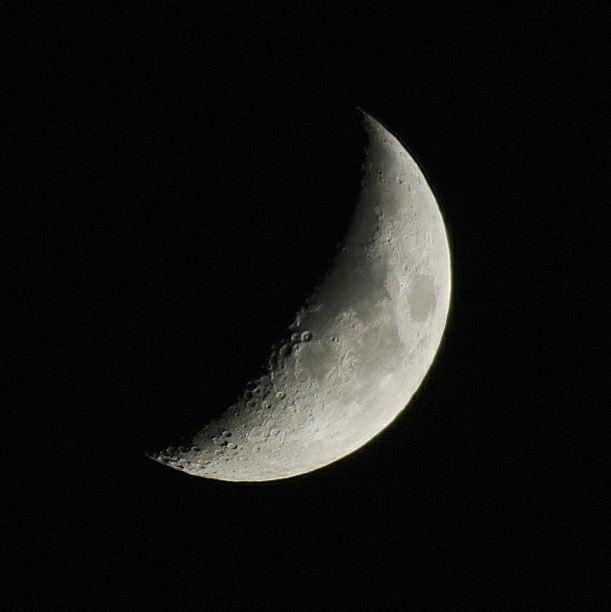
357	350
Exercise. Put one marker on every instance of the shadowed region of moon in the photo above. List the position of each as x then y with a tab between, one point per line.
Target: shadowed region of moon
357	350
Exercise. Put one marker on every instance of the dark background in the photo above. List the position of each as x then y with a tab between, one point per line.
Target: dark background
178	178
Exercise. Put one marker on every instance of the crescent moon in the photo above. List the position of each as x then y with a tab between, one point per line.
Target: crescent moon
358	349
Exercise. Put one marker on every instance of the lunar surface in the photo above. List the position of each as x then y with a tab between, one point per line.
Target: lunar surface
356	351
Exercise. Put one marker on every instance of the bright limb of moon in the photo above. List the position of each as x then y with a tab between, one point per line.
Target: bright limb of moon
359	348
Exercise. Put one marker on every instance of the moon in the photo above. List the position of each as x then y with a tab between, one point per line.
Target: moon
356	351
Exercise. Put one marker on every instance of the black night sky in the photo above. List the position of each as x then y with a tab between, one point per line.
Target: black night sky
179	176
